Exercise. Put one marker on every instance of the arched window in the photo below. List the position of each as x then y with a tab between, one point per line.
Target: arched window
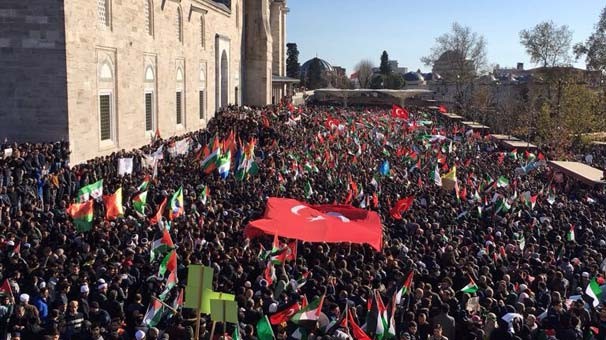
202	93
149	17
179	25
202	31
103	12
179	102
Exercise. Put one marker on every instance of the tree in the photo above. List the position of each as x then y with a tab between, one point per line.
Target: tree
293	68
464	50
384	68
393	81
364	72
547	44
315	78
459	56
594	49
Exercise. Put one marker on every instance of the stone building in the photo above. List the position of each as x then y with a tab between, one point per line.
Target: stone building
106	74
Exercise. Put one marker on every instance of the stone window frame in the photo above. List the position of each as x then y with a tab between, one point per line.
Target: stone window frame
202	31
149	17
107	85
104	22
150	86
179	24
202	84
180	87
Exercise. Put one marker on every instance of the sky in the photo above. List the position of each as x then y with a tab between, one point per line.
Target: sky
343	32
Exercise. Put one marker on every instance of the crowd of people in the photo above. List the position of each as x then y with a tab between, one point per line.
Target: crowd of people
531	245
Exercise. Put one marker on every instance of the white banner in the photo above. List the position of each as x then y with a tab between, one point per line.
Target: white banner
125	166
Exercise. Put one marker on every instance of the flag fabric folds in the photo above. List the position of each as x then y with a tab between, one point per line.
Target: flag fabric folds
158	217
471	287
285	313
310	314
449	180
169	263
113	205
401	206
176	204
139	202
82	215
264	330
318	223
399	112
594	291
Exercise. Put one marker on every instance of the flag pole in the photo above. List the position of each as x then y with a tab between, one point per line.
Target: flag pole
198	316
212	331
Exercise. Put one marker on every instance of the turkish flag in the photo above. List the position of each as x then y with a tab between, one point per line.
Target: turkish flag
285	314
399	112
318	223
442	109
401	206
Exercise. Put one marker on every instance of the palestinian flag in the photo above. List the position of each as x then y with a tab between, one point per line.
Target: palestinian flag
503	205
594	291
502	182
171	282
570	236
178	301
378	323
5	289
139	202
514	154
310	314
169	263
161	245
144	185
154	313
176	204
224	164
270	273
82	214
285	313
405	288
356	331
113	205
205	194
531	202
158	217
471	287
278	252
308	190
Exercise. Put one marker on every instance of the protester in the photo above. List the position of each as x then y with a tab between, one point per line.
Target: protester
497	243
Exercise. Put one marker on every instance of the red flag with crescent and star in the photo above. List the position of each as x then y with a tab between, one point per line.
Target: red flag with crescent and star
318	223
399	112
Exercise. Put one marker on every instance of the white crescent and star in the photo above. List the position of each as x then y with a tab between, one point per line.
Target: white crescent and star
296	208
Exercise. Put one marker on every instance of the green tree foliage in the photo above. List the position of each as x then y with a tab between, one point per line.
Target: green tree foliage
315	78
293	68
594	49
384	67
547	44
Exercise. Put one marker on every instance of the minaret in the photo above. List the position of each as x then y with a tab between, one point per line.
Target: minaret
257	53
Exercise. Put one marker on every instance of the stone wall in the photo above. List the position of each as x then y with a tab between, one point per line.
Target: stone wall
32	62
128	41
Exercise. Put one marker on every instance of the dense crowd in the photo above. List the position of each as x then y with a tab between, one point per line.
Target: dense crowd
530	260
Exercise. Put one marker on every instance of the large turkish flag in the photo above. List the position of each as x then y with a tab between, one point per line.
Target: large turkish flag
318	223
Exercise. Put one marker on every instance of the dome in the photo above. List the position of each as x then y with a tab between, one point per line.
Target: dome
324	65
413	76
432	76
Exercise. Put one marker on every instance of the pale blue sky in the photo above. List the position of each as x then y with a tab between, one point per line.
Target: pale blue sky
345	31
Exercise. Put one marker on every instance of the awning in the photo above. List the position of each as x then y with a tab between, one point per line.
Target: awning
579	171
518	144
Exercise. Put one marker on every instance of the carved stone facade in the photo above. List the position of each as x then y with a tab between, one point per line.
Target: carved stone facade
106	74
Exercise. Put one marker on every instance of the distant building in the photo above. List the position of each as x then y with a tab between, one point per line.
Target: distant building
449	66
393	65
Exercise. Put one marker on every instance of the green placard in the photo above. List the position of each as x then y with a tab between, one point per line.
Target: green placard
198	278
224	311
208	295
